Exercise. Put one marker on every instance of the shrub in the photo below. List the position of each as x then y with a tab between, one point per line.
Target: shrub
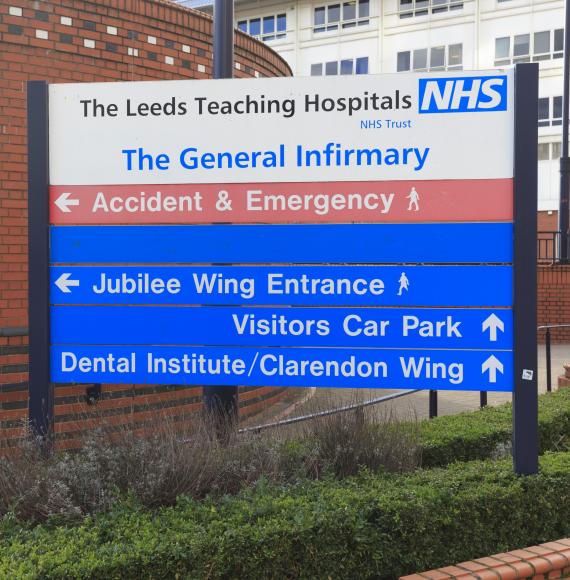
175	458
182	458
369	526
487	432
67	486
345	442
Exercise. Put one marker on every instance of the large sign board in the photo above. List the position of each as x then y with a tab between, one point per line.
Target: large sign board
287	232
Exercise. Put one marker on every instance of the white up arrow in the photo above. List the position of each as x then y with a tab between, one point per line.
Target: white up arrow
492	364
63	202
63	283
492	323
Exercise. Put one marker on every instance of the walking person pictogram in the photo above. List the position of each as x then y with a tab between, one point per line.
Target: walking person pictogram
404	283
414	198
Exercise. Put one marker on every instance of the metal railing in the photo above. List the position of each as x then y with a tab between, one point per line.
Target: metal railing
548	346
343	409
548	247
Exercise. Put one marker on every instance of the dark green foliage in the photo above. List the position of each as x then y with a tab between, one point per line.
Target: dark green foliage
370	526
373	525
487	432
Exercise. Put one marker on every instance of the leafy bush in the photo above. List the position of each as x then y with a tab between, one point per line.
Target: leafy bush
487	432
369	526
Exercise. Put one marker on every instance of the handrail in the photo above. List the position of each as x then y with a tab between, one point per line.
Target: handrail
328	412
547	327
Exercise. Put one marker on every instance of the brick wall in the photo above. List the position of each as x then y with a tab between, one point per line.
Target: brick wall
553	282
554	300
88	41
550	560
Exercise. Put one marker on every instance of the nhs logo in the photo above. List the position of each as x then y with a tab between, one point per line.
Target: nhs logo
463	94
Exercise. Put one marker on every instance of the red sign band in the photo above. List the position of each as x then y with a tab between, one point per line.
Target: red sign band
337	202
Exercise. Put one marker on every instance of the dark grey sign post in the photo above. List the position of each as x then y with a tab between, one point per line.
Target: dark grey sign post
222	401
40	389
525	391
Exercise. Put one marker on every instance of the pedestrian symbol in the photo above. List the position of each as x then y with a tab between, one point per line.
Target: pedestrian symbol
404	283
414	198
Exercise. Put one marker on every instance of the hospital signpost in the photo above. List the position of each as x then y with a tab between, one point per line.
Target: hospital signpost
288	232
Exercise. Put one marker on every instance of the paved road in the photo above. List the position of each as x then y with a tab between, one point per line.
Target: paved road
414	405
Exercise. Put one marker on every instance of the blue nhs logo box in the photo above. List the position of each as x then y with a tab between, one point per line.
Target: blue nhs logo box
476	94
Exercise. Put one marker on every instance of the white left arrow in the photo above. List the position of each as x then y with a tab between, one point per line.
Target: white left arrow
492	365
63	202
493	323
64	283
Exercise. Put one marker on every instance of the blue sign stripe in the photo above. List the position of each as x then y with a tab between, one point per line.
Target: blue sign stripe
235	326
290	367
294	285
283	243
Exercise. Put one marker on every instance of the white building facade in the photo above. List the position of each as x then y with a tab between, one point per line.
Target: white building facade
374	36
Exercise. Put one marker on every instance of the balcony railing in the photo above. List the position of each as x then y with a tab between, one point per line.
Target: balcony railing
548	248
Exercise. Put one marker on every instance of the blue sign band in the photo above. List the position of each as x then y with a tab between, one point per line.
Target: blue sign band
290	367
294	285
236	326
284	243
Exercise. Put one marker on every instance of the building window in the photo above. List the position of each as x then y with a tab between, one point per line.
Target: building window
342	15
544	45
268	28
317	69
431	59
347	66
549	151
331	68
549	111
410	8
361	66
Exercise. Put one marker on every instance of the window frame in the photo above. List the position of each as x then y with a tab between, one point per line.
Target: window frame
429	66
553	53
320	68
341	23
552	102
415	8
554	149
276	34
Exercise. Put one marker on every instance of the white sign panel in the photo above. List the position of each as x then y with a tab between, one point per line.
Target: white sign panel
365	128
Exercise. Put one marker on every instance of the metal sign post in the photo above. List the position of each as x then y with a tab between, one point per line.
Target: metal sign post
40	388
525	390
221	402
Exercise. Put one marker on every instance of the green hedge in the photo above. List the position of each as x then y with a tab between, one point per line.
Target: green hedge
372	526
481	434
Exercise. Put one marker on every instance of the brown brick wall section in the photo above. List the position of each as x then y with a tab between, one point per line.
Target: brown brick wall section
553	283
550	560
547	221
554	300
134	40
